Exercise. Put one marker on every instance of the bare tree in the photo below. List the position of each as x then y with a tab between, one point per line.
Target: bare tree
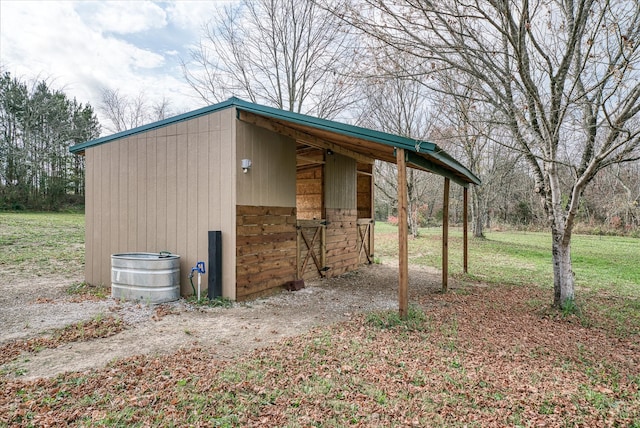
563	75
628	207
394	105
467	128
161	109
613	202
289	54
125	112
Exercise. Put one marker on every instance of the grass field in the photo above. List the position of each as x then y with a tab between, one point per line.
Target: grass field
491	353
601	263
607	268
41	243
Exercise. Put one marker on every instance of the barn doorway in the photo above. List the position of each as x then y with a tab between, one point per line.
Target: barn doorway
334	225
365	222
310	224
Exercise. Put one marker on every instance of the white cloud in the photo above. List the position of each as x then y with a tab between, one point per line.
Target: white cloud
191	15
84	46
125	17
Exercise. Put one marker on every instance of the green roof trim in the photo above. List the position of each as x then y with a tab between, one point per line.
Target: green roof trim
442	156
337	127
78	148
457	172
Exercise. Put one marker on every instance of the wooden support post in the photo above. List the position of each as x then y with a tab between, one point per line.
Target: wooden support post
298	252
373	214
323	248
403	231
445	236
465	230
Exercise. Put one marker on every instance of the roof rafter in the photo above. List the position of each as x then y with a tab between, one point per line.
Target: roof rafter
300	136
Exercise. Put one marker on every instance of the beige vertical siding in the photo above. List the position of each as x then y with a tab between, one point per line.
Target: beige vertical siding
340	182
104	221
341	214
172	187
164	190
89	223
227	214
271	181
161	187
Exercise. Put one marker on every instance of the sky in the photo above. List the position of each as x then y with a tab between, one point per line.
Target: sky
81	47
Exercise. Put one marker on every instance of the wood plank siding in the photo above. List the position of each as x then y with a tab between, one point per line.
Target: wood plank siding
310	183
341	214
309	199
311	249
163	189
266	249
365	190
342	241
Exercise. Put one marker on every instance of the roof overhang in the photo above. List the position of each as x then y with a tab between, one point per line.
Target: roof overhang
362	144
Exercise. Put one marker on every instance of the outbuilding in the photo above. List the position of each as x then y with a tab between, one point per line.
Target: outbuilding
263	196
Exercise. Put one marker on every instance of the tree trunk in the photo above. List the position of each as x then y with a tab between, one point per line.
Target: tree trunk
563	279
413	218
477	214
413	203
477	226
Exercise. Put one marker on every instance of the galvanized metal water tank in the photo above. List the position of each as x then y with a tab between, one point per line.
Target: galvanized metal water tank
147	277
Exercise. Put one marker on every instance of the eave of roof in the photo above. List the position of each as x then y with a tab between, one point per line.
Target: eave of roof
80	148
422	154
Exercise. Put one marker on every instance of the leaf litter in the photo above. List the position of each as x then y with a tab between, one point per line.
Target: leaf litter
481	356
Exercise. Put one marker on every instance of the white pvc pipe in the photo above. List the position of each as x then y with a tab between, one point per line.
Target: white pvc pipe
199	280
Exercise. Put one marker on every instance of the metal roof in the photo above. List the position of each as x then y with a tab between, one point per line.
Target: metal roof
368	142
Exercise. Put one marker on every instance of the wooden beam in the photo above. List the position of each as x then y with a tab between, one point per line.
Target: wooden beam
302	137
310	160
465	230
403	232
445	236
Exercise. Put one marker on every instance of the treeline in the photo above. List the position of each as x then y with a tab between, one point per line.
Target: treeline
610	206
38	124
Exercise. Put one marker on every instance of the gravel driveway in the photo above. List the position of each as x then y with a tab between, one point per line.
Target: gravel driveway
34	306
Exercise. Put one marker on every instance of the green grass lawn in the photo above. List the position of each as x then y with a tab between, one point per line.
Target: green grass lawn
37	244
601	263
607	268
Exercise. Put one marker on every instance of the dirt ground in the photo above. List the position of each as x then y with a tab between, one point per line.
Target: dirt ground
34	306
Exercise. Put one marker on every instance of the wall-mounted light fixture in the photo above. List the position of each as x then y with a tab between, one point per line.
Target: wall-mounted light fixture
246	165
329	152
